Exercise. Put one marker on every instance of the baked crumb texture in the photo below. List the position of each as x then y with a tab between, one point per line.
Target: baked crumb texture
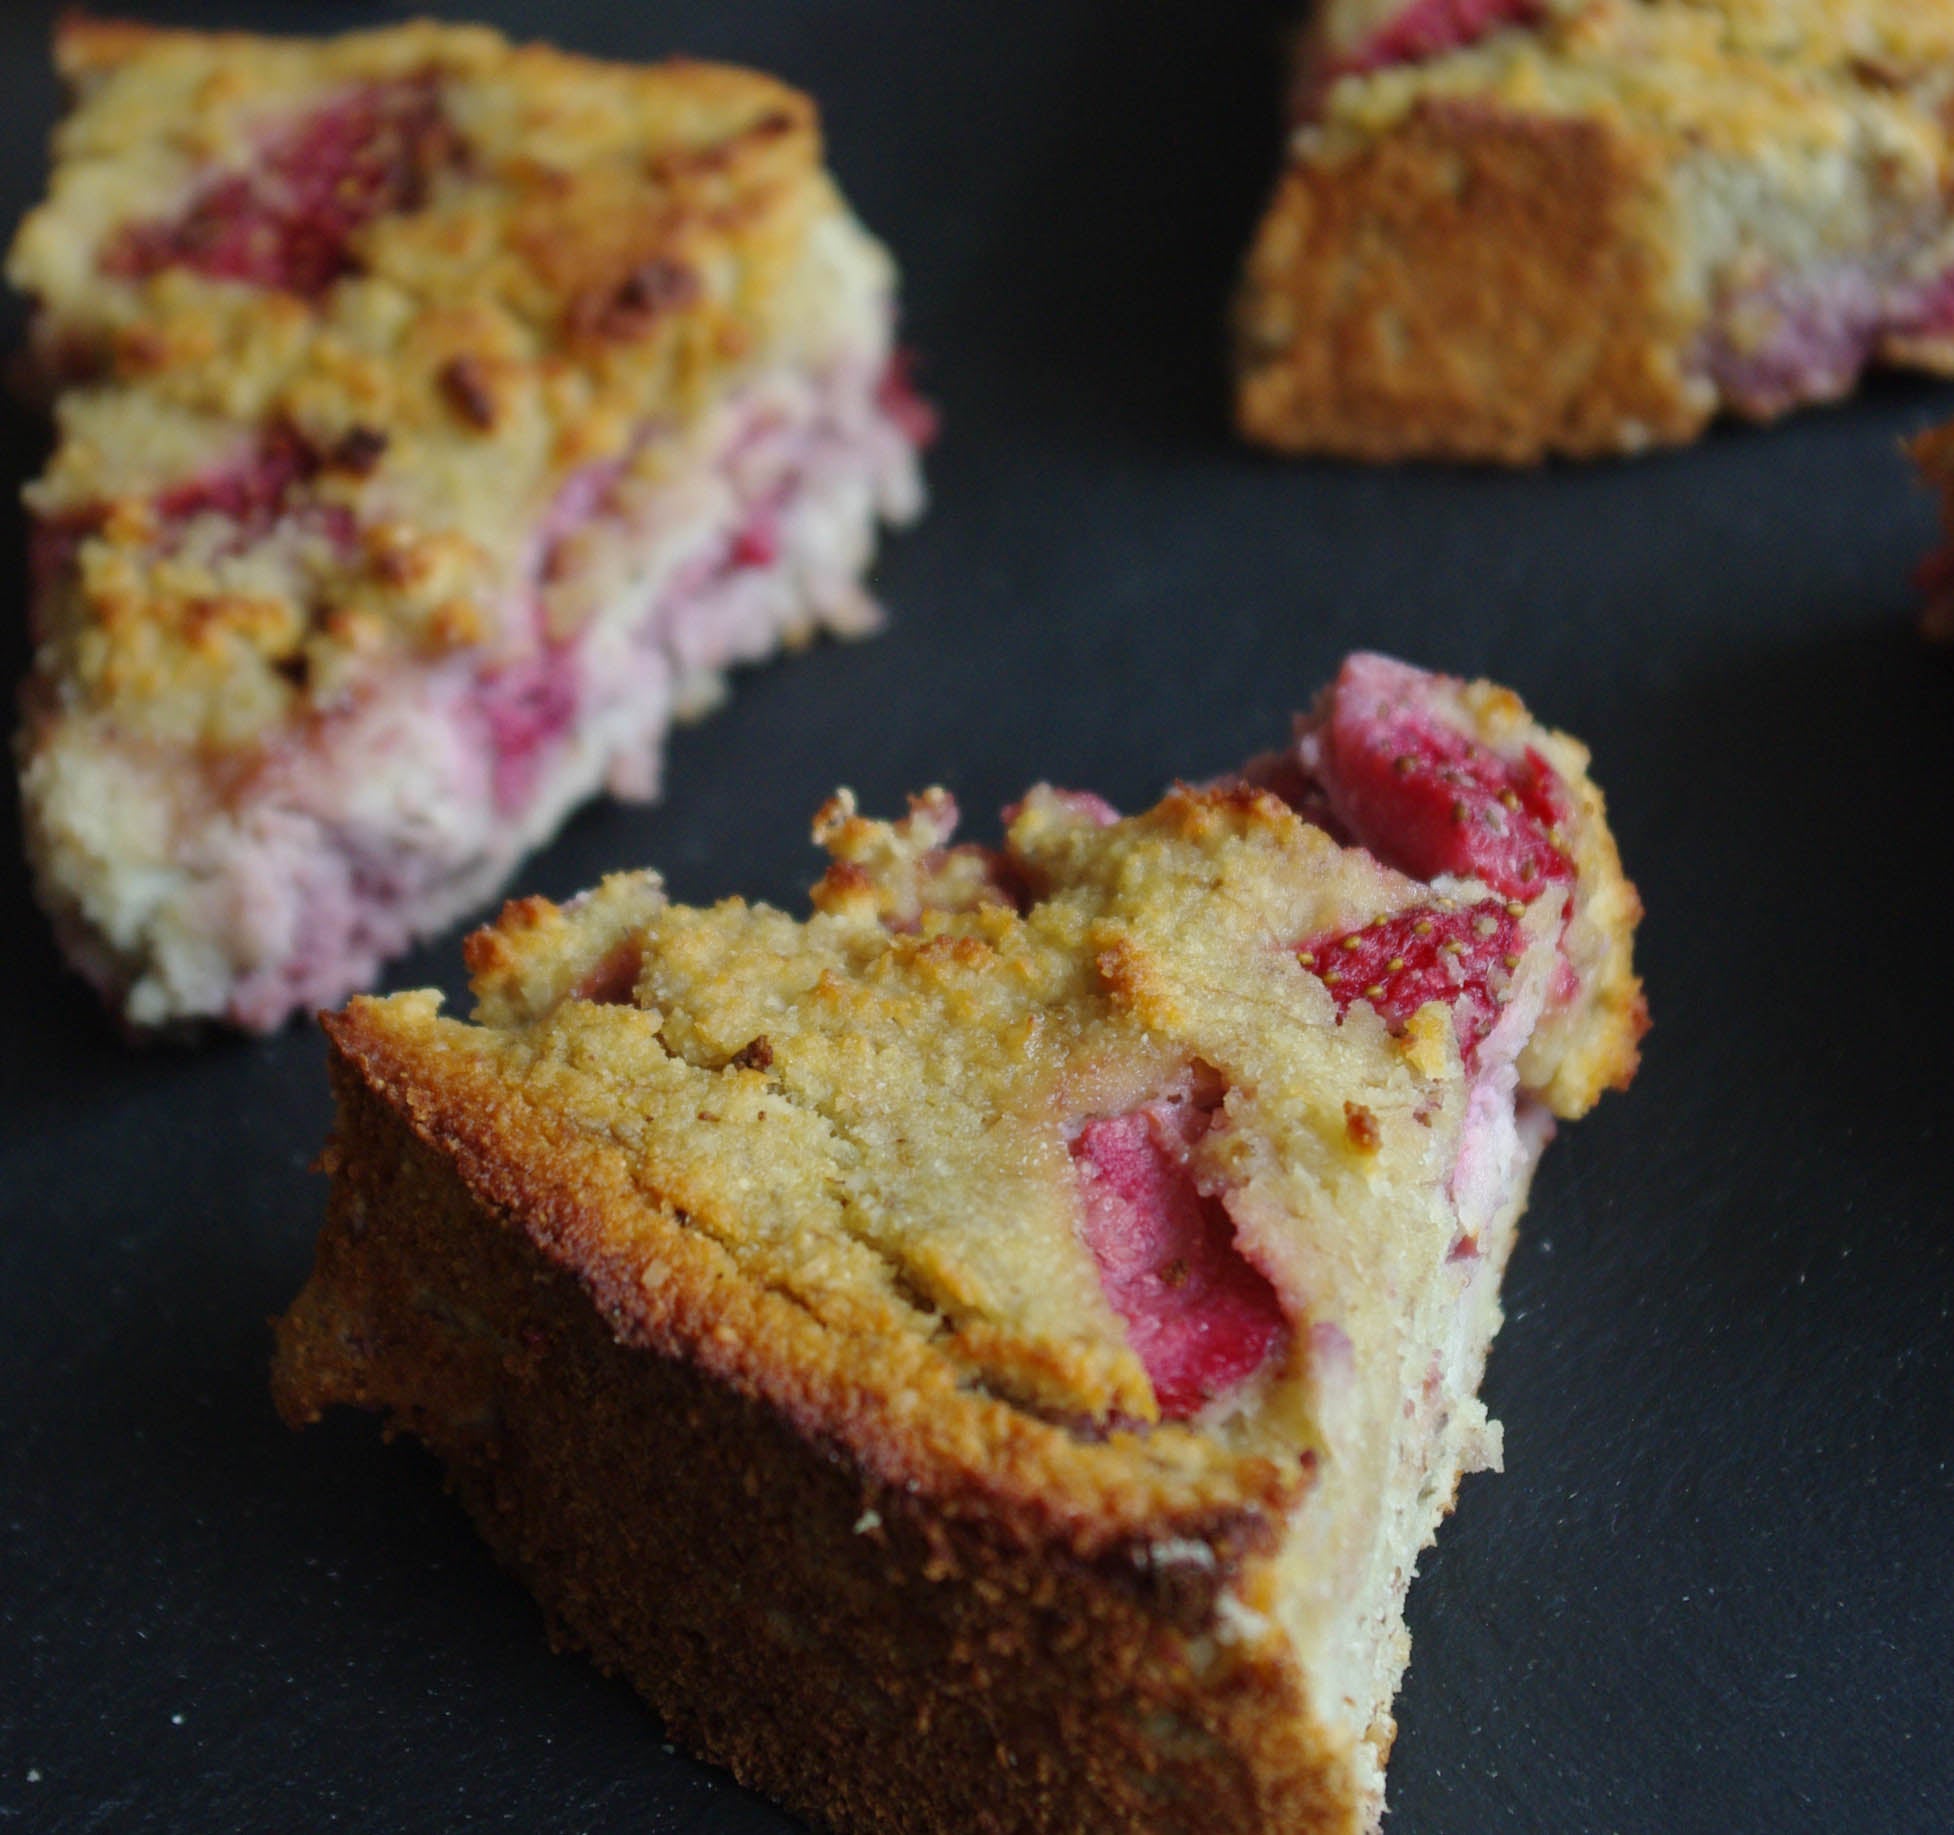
436	420
988	1355
1510	228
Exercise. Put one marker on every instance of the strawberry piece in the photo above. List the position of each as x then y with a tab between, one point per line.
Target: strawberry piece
1429	28
288	221
1201	1318
757	544
1428	799
895	394
613	979
1460	955
253	493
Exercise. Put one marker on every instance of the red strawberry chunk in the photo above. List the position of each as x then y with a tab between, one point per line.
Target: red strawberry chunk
1461	956
260	492
896	396
256	493
1428	28
1428	799
757	544
253	493
288	221
1200	1317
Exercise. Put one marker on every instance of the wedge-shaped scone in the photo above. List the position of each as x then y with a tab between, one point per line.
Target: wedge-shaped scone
1508	228
989	1355
437	419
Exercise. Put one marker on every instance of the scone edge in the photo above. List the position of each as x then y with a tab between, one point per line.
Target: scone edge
1473	285
916	1662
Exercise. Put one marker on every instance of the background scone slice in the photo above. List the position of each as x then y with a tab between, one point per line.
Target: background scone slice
437	420
1506	231
992	1350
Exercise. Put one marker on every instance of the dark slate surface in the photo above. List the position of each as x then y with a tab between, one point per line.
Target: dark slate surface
1711	1591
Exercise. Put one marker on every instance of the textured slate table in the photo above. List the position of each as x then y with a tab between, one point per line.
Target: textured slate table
1712	1590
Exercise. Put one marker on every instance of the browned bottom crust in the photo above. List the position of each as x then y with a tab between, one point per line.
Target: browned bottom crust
862	1656
1472	285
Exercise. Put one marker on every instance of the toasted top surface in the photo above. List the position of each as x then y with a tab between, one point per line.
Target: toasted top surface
872	1125
878	1135
345	319
1742	77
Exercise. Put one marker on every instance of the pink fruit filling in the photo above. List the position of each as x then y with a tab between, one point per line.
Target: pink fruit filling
1460	955
527	711
288	221
1201	1318
1428	799
758	544
255	493
1822	327
1386	763
1429	28
404	797
896	396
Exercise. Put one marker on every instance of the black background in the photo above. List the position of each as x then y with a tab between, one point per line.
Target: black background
1713	1589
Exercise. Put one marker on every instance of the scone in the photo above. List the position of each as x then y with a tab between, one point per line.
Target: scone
437	419
1509	228
989	1355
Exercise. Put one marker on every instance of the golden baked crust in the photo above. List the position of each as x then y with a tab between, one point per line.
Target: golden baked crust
589	245
719	1231
1379	318
1593	230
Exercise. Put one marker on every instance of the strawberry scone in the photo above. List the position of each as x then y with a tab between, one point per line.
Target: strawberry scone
436	420
1509	228
989	1355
